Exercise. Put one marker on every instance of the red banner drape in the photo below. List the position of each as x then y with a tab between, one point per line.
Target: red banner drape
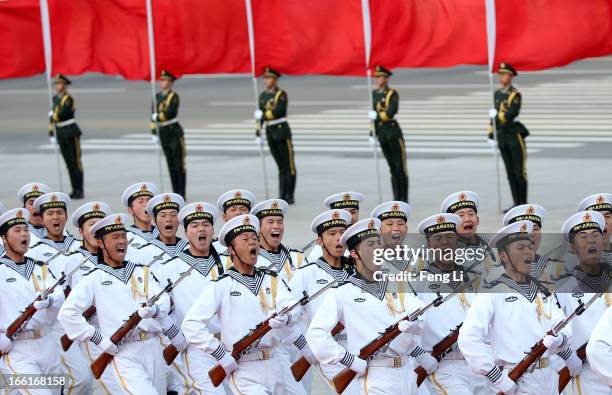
535	35
21	41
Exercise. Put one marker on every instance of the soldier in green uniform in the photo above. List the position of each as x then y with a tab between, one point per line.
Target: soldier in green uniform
385	105
63	127
273	113
510	133
170	132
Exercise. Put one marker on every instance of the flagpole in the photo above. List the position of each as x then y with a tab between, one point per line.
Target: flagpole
153	72
249	12
46	30
491	41
367	33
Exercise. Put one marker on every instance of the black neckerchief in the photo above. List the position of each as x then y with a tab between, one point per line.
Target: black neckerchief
528	289
122	273
252	282
375	288
203	264
25	268
277	258
337	274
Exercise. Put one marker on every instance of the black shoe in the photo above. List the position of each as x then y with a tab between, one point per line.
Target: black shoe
509	208
290	200
77	195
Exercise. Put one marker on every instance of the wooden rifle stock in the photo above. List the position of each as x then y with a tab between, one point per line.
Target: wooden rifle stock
438	352
301	366
564	375
65	340
170	353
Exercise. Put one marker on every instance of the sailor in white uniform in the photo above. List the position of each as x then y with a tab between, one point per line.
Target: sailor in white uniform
231	204
118	288
599	349
135	199
26	195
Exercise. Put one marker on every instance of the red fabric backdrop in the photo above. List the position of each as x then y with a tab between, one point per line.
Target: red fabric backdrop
21	45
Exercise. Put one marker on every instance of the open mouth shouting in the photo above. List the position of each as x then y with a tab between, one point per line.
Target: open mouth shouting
468	227
253	252
275	235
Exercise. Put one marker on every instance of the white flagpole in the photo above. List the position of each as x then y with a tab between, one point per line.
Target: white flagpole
46	30
249	12
153	69
367	32
491	37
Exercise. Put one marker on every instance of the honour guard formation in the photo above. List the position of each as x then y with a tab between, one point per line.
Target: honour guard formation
176	298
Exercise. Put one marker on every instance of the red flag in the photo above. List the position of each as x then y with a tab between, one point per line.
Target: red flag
107	36
201	36
21	44
309	37
535	35
428	33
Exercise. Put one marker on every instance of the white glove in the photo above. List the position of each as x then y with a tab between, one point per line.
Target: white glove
43	304
372	141
279	321
491	142
427	362
505	385
372	115
50	113
108	346
553	343
148	311
359	366
179	342
228	363
259	141
5	344
307	353
258	114
154	117
154	139
52	140
574	364
413	327
492	113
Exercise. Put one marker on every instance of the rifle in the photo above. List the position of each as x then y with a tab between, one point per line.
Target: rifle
171	352
99	365
438	352
244	345
30	310
301	366
344	378
564	374
539	348
91	311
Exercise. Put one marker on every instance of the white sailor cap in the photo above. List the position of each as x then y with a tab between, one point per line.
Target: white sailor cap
110	223
236	226
515	231
583	220
438	223
235	197
137	190
344	200
393	209
51	200
359	231
270	207
460	200
32	190
165	201
330	219
89	211
196	211
596	202
525	212
16	216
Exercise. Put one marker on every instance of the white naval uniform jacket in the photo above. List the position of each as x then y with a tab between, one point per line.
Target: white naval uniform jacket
240	302
138	238
67	263
513	317
20	284
47	248
366	310
286	259
599	349
187	291
116	293
155	252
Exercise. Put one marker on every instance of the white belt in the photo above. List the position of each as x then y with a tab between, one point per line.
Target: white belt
169	122
276	121
65	123
257	355
139	336
29	334
395	362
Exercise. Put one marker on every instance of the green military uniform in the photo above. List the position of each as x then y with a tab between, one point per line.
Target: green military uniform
390	136
68	135
511	137
273	104
171	135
